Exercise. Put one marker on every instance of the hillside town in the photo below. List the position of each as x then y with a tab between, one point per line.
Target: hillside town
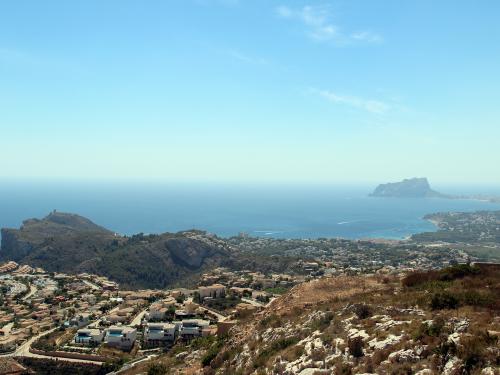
336	255
87	318
57	322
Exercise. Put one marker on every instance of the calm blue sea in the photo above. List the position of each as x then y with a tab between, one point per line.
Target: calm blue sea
277	211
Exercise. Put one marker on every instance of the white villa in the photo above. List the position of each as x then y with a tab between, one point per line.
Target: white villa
89	336
160	334
121	337
193	328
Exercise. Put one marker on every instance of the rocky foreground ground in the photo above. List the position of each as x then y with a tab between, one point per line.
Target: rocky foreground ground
433	322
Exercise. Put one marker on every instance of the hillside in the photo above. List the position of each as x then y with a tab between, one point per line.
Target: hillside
408	188
434	322
69	243
74	236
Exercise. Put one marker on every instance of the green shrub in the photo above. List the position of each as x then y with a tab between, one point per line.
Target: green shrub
363	311
157	369
272	320
356	345
212	352
444	300
210	355
473	351
343	369
426	330
475	298
436	327
322	323
447	274
275	347
458	271
202	342
419	277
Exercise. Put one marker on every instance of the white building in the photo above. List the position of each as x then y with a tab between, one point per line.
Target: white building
89	336
214	291
160	334
121	337
193	328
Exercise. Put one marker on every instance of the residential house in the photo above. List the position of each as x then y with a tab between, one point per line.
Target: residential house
89	336
121	337
193	328
160	334
214	291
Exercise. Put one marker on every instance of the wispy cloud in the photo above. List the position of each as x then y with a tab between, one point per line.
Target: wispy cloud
368	105
367	36
316	20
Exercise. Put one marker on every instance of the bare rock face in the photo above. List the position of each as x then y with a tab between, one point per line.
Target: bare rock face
188	252
403	356
13	247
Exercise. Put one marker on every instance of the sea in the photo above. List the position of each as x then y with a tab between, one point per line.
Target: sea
279	211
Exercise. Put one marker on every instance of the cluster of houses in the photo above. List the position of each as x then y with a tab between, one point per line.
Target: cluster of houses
342	256
8	267
239	281
154	334
101	314
34	301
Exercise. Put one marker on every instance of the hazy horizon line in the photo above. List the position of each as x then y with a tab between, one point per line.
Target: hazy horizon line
240	182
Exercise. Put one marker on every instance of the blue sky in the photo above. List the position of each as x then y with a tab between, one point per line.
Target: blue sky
257	90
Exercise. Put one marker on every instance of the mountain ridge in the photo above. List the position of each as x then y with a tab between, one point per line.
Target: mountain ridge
63	242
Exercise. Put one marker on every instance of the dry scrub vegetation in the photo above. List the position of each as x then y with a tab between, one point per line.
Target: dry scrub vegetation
424	323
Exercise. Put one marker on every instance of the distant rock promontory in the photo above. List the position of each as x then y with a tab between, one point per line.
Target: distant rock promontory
408	188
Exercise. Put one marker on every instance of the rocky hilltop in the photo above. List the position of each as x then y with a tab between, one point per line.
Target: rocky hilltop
63	242
408	188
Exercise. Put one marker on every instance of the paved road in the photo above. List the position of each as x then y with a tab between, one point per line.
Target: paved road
128	366
32	291
24	350
92	285
219	316
138	318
